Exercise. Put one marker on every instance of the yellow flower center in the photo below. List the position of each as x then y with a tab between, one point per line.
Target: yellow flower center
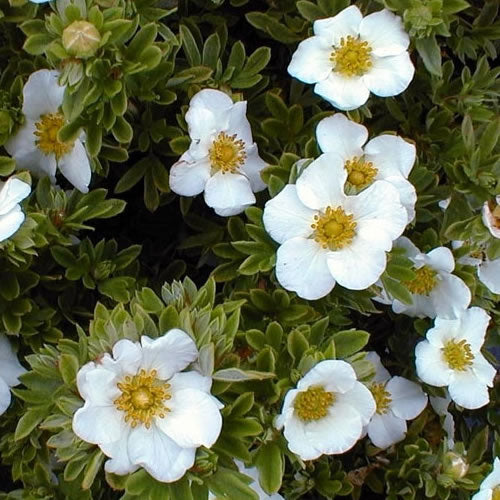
46	130
227	153
496	493
352	58
360	173
334	229
424	281
458	355
143	398
382	397
313	404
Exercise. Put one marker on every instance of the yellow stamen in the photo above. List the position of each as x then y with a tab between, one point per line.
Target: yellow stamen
46	130
313	404
458	355
334	229
227	153
382	398
424	282
360	173
143	398
352	58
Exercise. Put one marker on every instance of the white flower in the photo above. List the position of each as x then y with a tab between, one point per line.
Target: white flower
328	237
491	217
397	400
350	56
440	406
142	411
435	291
451	357
253	472
35	146
12	193
222	159
490	487
10	370
327	412
386	157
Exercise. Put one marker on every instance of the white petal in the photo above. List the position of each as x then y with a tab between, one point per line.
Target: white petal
342	92
98	424
345	23
493	478
238	123
286	217
158	454
443	331
389	75
338	134
298	441
189	178
440	405
334	375
228	190
119	462
127	357
192	380
441	259
489	274
12	193
301	267
96	385
10	368
408	399
32	159
287	410
391	155
11	222
321	184
431	367
357	266
168	354
483	370
385	33
468	391
360	399
407	194
483	495
252	168
228	212
450	297
42	94
75	166
411	250
473	324
5	396
193	420
311	61
381	374
386	429
490	221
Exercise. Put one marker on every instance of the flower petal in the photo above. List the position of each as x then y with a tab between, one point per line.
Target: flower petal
321	184
345	23
97	385
389	75
10	368
238	123
119	462
194	418
343	92
334	375
468	391
189	178
441	259
11	222
483	370
99	424
252	168
489	274
407	194
360	399
473	324
158	454
168	354
431	367
489	220
75	166
450	297
311	61
381	374
299	442
12	193
286	217
228	212
228	190
5	396
42	94
301	267
385	33
391	155
338	134
127	358
387	429
408	399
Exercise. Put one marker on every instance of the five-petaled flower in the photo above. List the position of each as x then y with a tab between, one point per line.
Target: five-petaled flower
36	145
327	412
451	357
10	369
142	411
222	159
12	192
328	237
350	56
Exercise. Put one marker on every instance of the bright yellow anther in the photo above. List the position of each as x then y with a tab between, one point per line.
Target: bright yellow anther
313	404
334	229
382	397
227	153
352	58
424	282
458	355
360	173
46	130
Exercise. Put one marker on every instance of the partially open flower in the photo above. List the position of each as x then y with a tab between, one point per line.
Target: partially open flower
350	56
451	357
10	369
12	193
142	411
327	412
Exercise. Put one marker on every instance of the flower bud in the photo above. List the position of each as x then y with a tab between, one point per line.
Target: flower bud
455	465
81	39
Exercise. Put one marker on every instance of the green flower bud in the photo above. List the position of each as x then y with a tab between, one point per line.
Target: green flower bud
81	39
454	465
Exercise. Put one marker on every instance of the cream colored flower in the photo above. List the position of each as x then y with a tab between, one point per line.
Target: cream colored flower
142	411
10	370
12	192
35	146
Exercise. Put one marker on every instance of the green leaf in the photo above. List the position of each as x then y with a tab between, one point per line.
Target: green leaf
309	10
68	367
478	446
269	462
189	45
142	40
28	422
296	344
348	342
37	44
430	53
132	176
